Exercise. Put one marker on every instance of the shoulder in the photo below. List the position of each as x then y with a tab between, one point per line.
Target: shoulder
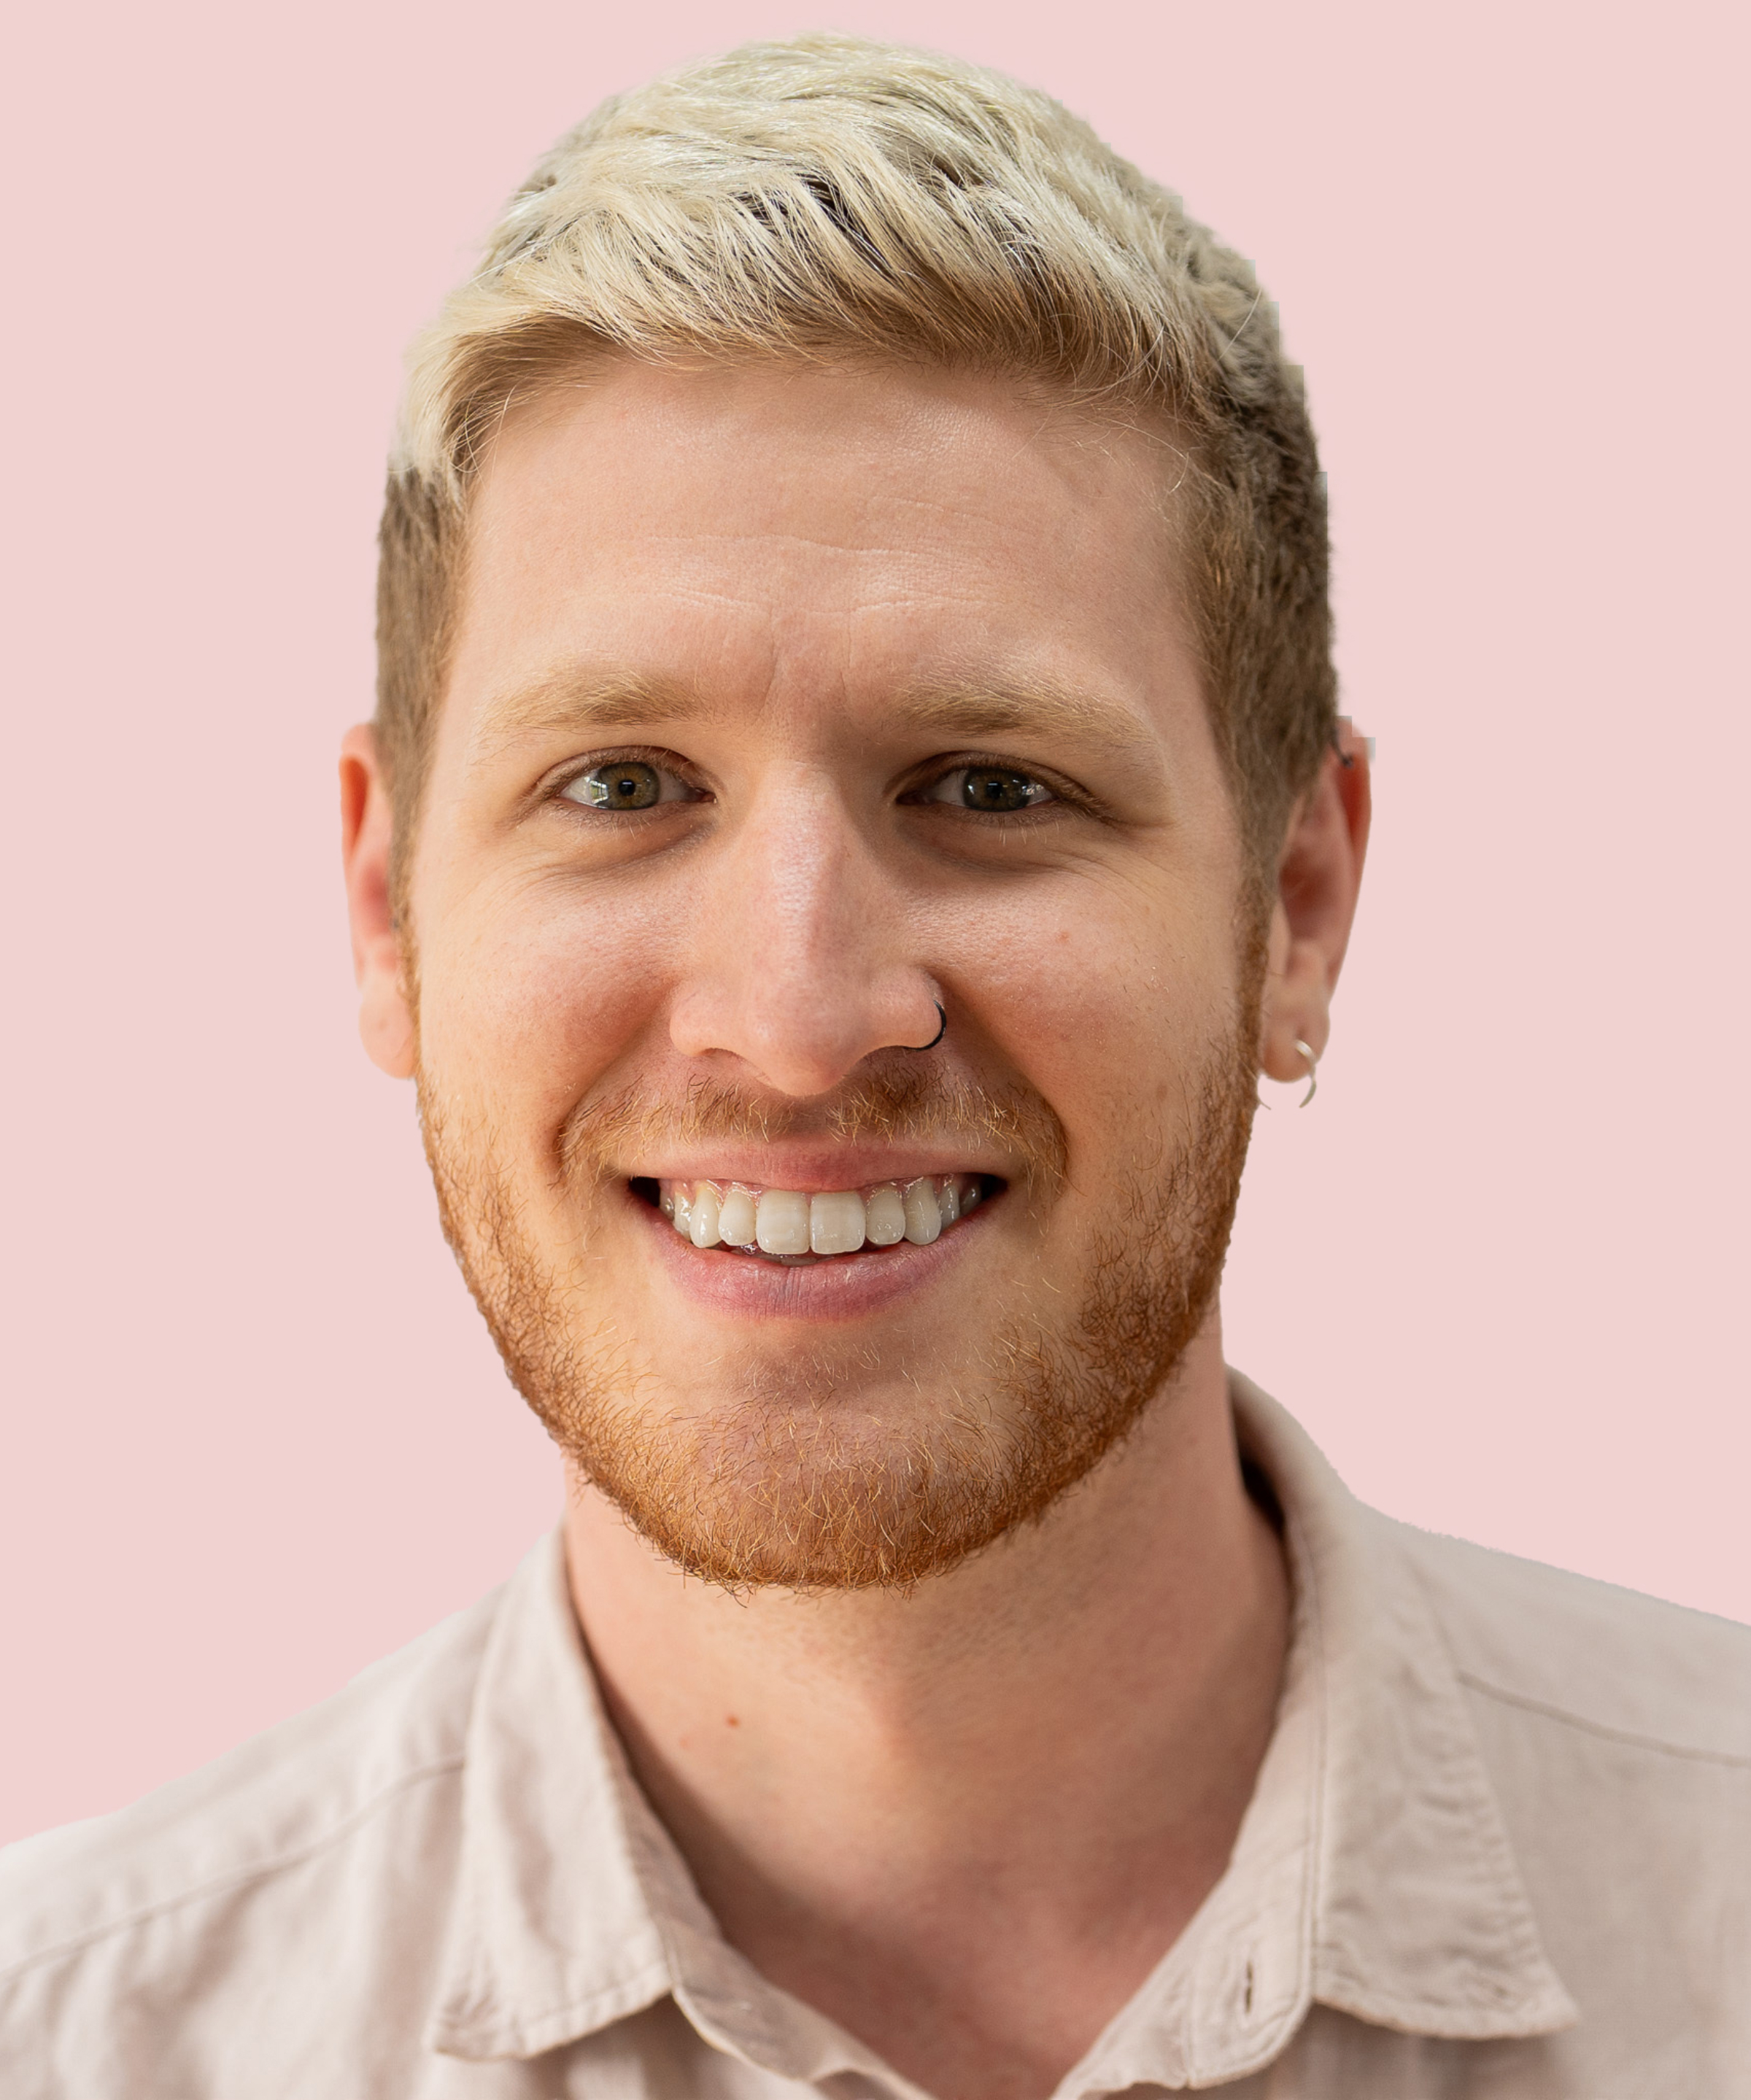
282	1802
1587	1654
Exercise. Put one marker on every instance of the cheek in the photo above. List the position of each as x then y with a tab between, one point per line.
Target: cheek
530	995
1100	1003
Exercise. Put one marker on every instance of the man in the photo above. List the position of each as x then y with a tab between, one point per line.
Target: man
855	802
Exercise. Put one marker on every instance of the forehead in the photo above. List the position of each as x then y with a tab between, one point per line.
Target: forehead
775	534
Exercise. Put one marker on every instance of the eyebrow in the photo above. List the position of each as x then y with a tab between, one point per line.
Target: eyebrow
977	710
572	699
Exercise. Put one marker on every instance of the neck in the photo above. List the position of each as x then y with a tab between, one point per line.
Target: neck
856	1780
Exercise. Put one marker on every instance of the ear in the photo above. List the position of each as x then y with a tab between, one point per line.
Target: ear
386	1020
1319	875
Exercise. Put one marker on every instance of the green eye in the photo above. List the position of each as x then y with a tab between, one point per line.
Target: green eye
627	784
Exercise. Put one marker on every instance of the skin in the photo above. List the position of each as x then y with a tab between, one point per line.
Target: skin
789	571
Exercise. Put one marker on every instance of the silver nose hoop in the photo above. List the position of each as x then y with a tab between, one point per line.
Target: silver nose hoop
942	1029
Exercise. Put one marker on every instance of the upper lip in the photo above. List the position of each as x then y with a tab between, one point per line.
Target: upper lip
812	1167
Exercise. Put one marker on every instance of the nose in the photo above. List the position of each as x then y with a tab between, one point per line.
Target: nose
799	964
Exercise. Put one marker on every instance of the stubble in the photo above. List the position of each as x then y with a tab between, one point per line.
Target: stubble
792	1479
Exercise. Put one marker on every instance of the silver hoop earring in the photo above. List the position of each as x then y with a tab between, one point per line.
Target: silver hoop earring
942	1029
1313	1070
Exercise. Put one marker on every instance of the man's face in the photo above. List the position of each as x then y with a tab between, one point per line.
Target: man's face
787	705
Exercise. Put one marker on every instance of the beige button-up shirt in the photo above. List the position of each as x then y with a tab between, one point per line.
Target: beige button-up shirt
1500	1845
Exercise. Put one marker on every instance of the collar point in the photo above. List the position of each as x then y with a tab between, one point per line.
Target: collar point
1490	2012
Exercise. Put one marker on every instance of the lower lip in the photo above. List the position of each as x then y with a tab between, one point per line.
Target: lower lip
846	1287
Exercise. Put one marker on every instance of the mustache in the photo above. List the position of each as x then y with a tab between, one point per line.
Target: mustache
894	1106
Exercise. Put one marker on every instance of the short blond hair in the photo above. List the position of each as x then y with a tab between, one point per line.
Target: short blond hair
831	197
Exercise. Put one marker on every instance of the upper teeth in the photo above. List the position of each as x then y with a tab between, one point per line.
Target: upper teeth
783	1221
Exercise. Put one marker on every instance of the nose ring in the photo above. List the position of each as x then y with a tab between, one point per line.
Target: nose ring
942	1030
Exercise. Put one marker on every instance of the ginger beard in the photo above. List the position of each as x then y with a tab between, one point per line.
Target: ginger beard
793	1484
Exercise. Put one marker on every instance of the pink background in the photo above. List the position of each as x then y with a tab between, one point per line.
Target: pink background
253	1433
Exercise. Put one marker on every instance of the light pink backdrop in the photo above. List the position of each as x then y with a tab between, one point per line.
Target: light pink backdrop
252	1434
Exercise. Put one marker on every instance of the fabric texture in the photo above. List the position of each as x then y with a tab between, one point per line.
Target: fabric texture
1500	1845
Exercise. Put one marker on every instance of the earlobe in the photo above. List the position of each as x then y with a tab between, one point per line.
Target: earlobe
386	1023
1319	877
1297	1008
386	1029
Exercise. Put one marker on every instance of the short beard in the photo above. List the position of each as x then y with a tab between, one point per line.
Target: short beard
795	1486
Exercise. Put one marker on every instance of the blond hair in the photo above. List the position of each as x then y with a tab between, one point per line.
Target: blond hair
833	198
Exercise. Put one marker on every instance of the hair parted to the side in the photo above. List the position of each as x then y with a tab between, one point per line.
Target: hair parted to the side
833	198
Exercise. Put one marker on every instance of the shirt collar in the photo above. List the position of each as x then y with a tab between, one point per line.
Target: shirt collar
1372	1872
551	1936
1421	1920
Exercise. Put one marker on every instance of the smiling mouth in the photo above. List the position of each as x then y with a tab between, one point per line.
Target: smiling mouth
785	1225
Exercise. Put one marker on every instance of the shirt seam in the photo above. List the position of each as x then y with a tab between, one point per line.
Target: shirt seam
235	1877
1600	1728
